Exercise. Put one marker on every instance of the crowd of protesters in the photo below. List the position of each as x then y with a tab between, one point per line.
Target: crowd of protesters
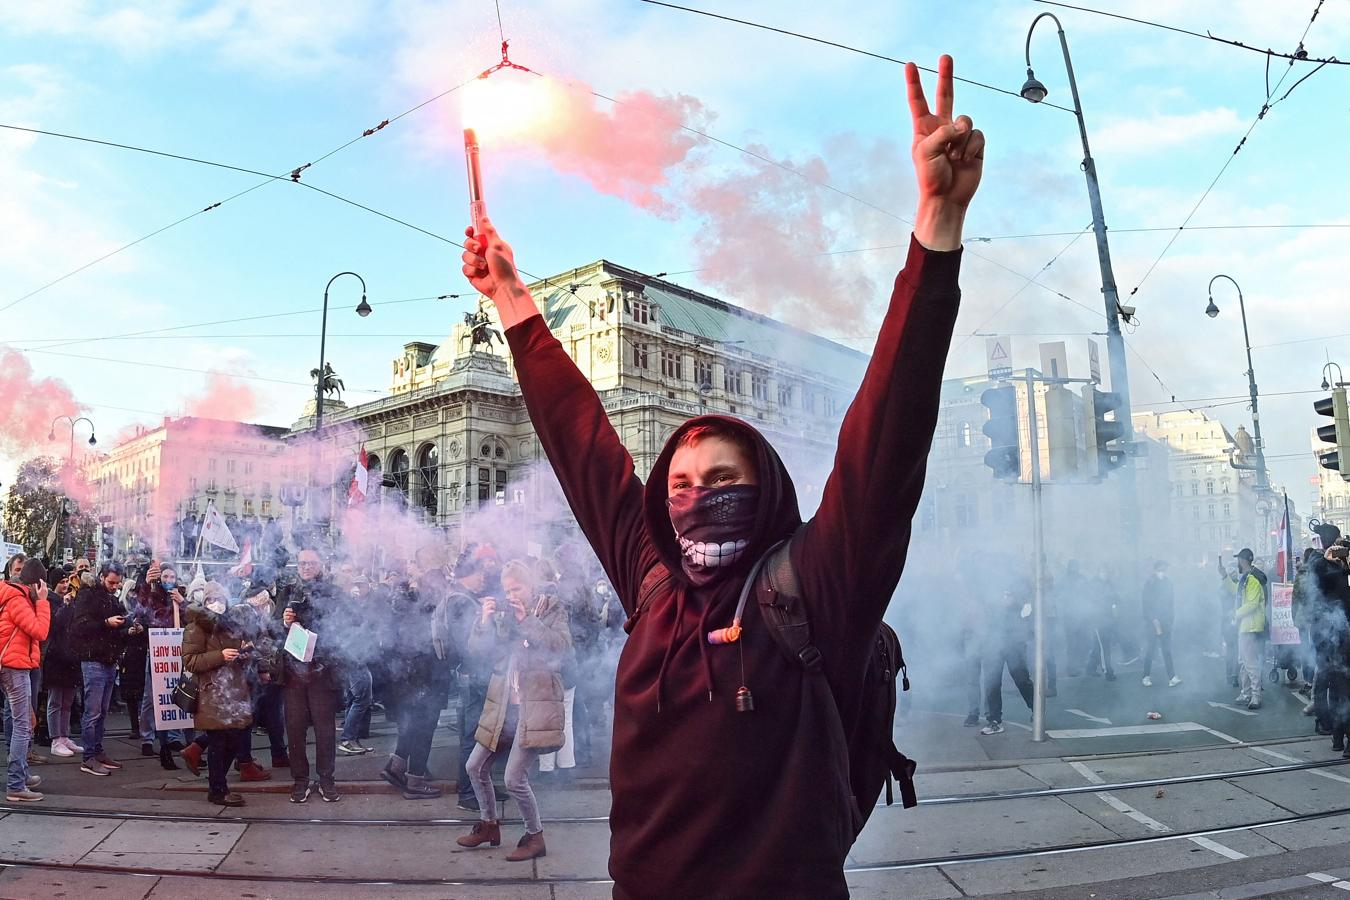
525	645
1099	623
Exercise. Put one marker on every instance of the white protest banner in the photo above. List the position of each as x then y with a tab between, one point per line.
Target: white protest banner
1282	629
166	665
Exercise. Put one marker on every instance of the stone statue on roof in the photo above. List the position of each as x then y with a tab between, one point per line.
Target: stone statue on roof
481	332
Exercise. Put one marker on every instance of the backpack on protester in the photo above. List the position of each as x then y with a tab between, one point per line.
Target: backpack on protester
873	759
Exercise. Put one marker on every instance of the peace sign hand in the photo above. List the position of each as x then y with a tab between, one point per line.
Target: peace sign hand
948	160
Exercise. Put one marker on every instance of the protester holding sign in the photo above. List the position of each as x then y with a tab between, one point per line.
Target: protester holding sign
214	651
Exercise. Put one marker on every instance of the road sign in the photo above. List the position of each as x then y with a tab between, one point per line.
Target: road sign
1055	360
1094	361
998	355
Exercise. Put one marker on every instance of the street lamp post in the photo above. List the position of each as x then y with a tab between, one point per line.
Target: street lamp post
63	512
363	309
1034	91
1262	481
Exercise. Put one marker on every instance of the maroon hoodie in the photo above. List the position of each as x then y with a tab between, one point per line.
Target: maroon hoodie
709	802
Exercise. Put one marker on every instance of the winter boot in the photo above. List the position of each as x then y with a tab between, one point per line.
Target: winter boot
192	757
251	771
418	788
396	771
530	846
483	833
166	758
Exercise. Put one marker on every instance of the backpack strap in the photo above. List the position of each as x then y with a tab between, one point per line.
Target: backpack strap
779	594
653	584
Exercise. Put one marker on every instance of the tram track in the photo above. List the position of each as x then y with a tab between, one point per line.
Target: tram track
984	797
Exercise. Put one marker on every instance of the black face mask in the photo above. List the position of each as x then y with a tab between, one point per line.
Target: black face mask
713	526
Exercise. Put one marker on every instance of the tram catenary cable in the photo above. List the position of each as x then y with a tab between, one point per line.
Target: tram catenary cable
993	796
889	866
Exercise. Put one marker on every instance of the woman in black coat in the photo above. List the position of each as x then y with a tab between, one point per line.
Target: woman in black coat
61	677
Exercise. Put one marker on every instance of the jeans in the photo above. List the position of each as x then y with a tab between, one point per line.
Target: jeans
358	713
1014	656
60	701
518	762
99	679
146	718
223	747
472	696
1159	641
269	712
18	687
312	702
35	676
418	715
1251	649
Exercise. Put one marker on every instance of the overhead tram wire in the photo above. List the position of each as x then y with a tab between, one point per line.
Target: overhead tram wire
837	45
293	174
1260	116
983	239
1292	57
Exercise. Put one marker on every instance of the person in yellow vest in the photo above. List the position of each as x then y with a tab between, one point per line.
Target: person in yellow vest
1247	585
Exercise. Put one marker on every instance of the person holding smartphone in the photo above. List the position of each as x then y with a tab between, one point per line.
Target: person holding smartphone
25	617
99	635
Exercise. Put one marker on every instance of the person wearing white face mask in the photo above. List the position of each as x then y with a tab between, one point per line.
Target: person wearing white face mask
1159	611
215	651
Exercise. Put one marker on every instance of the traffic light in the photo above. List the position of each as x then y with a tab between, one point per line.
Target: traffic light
1101	431
1338	432
1004	457
107	542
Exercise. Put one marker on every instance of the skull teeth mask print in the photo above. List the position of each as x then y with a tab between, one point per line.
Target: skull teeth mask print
713	527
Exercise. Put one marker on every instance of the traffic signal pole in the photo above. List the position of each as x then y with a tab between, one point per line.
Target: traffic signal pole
1038	550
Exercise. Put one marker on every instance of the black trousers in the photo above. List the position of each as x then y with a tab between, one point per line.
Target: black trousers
222	748
1159	641
418	714
1013	655
311	702
1338	700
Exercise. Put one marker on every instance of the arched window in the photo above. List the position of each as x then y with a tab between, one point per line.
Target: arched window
398	470
428	467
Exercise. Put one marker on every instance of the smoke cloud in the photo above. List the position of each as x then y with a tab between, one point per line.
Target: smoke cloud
27	405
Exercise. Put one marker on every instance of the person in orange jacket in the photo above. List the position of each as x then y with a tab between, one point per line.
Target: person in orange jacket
25	618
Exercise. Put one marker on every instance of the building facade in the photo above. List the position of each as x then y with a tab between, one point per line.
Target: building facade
453	434
1332	491
159	476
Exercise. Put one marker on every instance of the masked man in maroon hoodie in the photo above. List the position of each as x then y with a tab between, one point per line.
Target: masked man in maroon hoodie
710	802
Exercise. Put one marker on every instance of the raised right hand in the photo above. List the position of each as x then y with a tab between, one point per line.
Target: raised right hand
230	654
489	262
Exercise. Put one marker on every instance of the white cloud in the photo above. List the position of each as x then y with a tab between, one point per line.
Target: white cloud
1160	132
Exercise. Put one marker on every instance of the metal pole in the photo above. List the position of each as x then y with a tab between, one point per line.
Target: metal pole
1038	550
1262	481
1115	342
318	382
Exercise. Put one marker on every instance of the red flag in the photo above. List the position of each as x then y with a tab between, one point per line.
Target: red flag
356	491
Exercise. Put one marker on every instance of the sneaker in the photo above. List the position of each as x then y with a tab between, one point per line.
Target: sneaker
94	767
300	791
351	748
469	803
971	720
60	749
23	796
1255	704
1174	681
329	793
364	748
108	762
148	749
1148	681
992	728
1242	698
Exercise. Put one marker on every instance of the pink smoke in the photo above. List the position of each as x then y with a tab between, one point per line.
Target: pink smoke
27	406
223	398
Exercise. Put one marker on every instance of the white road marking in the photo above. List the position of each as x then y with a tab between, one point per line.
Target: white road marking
1091	776
1124	730
1218	848
1232	709
1319	876
1079	712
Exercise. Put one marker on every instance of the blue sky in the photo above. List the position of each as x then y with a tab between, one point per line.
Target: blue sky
270	86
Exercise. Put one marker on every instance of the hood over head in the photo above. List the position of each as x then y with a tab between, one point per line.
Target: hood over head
776	516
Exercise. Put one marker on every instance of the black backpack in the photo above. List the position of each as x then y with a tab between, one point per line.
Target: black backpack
873	758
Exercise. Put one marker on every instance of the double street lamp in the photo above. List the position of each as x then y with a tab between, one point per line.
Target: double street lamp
63	511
